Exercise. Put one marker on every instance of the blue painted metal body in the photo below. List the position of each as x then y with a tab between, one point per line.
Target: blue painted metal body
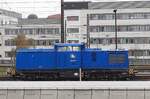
69	56
97	59
68	60
35	60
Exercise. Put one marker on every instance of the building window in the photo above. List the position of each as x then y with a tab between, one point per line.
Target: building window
121	28
56	41
29	31
139	62
52	31
121	16
2	22
11	31
10	42
131	41
73	41
5	61
135	40
39	31
8	54
148	53
45	42
72	18
5	22
42	42
72	30
136	53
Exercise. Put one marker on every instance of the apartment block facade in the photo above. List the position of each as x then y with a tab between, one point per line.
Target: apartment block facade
98	19
43	31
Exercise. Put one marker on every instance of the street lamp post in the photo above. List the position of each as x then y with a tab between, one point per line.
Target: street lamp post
88	32
62	22
116	40
65	31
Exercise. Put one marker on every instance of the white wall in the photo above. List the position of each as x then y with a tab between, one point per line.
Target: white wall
83	28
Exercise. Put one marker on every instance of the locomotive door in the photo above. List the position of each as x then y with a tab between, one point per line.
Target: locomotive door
69	57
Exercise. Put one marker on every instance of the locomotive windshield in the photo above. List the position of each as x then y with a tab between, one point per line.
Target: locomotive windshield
69	48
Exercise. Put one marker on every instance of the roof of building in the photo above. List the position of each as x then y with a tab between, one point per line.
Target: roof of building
76	5
32	16
10	13
39	21
107	5
56	16
119	5
75	85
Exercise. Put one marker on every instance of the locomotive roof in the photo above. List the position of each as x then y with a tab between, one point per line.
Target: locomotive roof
69	44
34	50
49	50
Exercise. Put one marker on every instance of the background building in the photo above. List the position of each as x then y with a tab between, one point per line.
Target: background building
97	18
7	19
43	32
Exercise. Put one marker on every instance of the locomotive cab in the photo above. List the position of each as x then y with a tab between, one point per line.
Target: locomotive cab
69	57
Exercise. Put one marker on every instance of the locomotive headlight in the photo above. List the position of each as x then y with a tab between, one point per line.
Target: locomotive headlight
76	74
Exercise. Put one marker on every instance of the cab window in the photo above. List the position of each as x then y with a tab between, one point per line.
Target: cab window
69	48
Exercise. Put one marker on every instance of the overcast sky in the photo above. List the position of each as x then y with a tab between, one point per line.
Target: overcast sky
42	8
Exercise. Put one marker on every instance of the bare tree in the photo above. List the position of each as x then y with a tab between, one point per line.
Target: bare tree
23	42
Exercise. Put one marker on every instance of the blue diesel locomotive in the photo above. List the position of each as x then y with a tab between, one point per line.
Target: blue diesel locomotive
69	61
